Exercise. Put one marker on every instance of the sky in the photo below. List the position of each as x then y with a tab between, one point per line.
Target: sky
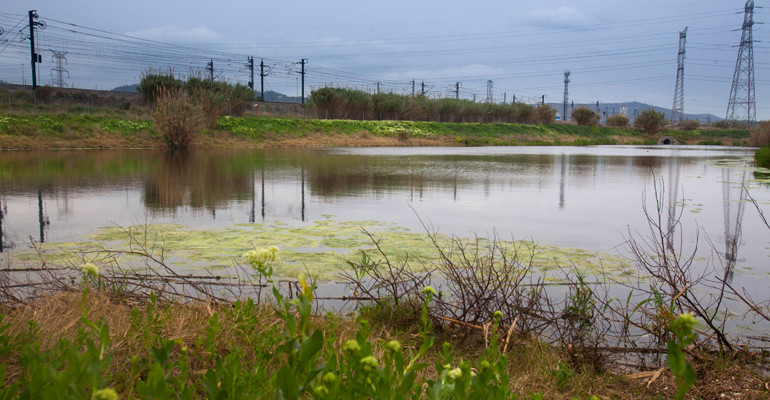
617	51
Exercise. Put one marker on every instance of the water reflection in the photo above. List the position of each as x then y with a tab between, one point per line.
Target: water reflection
469	188
197	180
734	197
674	172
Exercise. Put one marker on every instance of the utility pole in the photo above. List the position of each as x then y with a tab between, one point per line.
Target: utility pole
302	72
457	90
250	66
474	97
210	68
677	110
566	94
514	99
378	87
742	104
422	88
412	87
262	76
36	58
543	101
504	99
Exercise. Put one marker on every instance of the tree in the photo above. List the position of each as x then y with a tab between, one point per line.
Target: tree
585	116
650	121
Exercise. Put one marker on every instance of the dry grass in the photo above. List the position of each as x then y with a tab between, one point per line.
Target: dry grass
761	136
531	363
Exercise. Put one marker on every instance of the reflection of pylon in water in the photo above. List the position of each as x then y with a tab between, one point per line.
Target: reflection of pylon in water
673	192
733	201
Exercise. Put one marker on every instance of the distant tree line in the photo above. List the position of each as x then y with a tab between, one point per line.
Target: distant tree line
344	103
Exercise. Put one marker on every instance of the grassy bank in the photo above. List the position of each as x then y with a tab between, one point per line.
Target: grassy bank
68	346
132	130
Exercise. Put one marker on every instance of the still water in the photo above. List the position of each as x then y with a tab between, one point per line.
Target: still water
585	198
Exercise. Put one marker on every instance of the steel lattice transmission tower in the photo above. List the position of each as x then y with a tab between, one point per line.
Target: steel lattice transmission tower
58	57
490	93
566	94
677	110
742	105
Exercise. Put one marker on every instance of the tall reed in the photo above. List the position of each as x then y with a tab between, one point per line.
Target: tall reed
177	117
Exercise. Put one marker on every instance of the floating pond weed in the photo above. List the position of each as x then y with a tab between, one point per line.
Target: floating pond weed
321	248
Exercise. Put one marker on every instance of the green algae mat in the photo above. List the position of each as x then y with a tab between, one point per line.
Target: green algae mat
319	249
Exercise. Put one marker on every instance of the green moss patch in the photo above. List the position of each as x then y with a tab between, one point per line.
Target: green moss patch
319	248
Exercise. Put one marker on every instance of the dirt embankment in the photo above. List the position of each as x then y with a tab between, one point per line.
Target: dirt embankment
223	140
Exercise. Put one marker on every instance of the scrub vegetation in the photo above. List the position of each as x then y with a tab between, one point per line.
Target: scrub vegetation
113	123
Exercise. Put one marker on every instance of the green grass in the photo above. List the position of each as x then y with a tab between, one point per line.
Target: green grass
762	157
78	125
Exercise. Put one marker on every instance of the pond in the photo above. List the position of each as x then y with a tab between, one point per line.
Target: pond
576	203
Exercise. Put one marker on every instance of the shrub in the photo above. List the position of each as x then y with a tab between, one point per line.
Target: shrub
761	136
176	117
725	124
153	82
617	120
545	114
762	157
650	121
44	92
216	98
585	116
689	124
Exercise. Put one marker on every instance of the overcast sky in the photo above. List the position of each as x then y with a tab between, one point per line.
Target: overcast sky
617	50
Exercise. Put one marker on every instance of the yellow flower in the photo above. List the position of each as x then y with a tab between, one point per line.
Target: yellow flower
370	364
105	394
394	346
428	290
89	269
306	290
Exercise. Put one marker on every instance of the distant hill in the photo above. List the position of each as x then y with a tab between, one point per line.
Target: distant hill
635	108
275	96
126	88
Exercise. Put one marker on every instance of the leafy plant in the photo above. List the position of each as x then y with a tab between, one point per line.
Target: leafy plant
682	328
563	374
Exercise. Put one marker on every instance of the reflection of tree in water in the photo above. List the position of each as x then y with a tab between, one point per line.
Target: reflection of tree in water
197	180
332	176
